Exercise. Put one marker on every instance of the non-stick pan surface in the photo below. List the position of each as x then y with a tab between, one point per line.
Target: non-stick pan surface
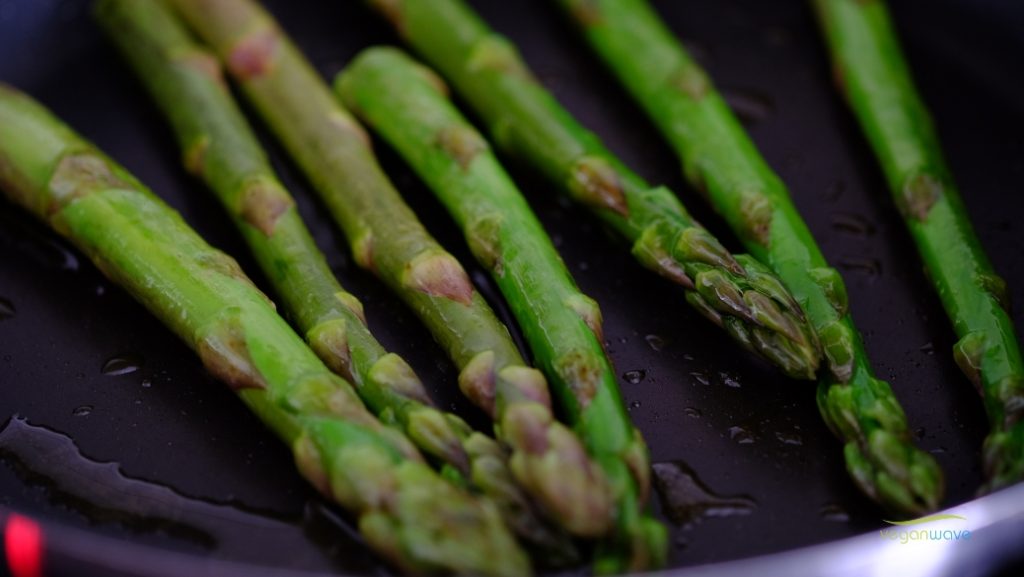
88	378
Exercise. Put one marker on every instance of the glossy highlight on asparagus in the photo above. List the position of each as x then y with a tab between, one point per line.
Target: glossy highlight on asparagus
405	511
524	120
876	81
219	147
387	239
719	158
406	103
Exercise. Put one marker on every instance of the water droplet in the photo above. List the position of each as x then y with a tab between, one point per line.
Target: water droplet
928	349
834	191
557	240
919	433
853	224
686	499
750	107
834	513
868	266
82	411
122	365
681	543
584	265
701	378
729	380
741	435
687	357
789	438
937	450
692	412
634	377
100	290
655	342
634	405
147	383
6	309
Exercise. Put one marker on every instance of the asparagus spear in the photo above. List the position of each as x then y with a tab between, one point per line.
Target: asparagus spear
387	239
406	511
719	158
406	103
735	292
220	148
875	79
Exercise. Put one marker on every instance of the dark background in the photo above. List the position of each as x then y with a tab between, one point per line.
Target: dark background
745	431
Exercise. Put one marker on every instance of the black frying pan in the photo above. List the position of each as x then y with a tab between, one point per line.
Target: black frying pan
88	378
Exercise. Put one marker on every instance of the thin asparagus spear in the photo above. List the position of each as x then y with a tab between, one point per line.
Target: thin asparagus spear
876	81
406	512
406	103
387	239
719	158
220	148
524	120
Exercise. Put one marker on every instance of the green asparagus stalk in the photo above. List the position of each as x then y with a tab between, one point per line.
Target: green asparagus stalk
876	81
735	292
719	158
406	512
387	239
219	147
406	104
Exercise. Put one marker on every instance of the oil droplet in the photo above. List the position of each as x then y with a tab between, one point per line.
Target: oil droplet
686	499
853	224
655	342
147	383
750	107
82	411
741	435
866	266
729	380
928	349
6	309
688	357
122	365
102	493
693	412
789	438
701	378
834	513
634	377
